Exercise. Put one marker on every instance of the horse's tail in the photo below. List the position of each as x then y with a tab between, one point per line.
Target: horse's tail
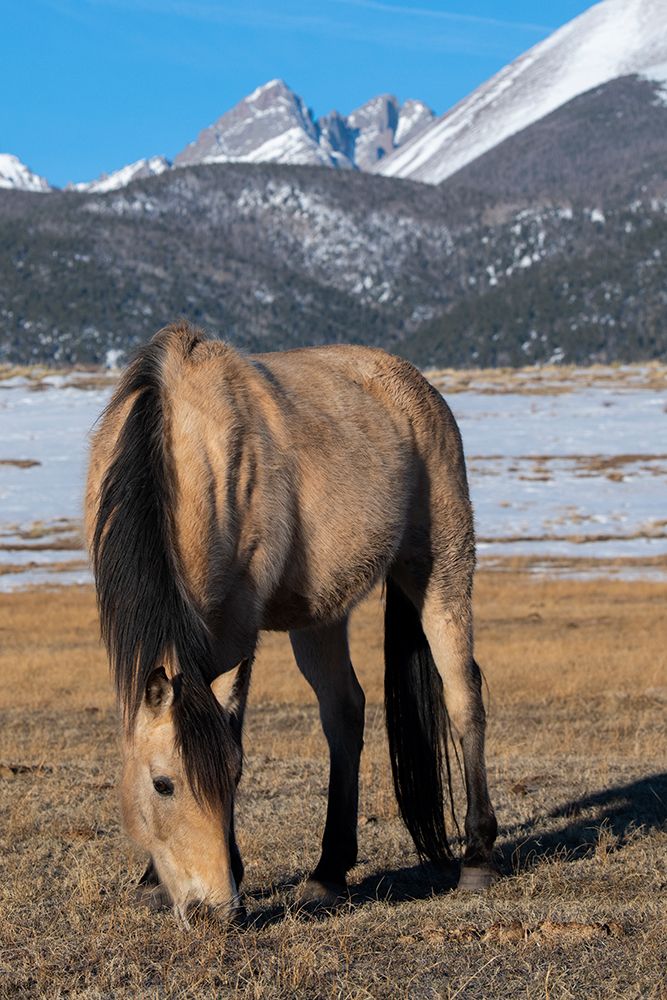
417	726
146	612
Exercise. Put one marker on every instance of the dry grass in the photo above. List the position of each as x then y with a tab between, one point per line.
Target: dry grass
43	529
580	567
578	688
61	543
77	376
66	566
534	379
20	463
549	379
546	467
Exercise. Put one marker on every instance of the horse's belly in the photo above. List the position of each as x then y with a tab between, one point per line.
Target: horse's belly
323	583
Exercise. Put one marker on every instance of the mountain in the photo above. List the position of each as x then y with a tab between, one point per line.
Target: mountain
560	259
548	246
413	117
573	155
120	178
371	132
15	175
572	235
273	125
269	255
381	125
612	39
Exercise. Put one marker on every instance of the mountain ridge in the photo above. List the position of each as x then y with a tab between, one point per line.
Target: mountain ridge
273	124
270	125
563	260
145	167
549	246
610	40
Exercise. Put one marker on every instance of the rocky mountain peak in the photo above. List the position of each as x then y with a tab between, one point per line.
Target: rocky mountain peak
15	175
273	124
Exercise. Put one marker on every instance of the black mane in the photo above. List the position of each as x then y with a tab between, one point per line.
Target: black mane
146	612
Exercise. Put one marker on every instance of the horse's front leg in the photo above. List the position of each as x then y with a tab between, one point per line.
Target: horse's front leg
231	689
323	657
150	892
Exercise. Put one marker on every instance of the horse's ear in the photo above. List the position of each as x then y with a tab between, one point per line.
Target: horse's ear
230	689
159	692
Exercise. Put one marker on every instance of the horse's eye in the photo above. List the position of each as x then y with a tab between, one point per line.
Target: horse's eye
163	786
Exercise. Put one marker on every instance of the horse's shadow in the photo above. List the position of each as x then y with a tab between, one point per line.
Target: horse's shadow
637	808
623	811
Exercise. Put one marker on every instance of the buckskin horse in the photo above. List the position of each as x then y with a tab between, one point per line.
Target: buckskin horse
231	493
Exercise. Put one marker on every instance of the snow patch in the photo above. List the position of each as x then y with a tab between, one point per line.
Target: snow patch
658	74
271	85
113	359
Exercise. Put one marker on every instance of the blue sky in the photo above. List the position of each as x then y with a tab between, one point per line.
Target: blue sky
89	85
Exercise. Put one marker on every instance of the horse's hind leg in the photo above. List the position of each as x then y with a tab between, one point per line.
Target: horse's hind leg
448	628
323	657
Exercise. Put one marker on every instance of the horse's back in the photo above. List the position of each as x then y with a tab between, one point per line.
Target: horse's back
368	420
351	383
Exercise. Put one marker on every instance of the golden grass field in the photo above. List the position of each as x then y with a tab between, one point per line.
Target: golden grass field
577	752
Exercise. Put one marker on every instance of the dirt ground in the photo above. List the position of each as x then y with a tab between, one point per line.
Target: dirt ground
577	675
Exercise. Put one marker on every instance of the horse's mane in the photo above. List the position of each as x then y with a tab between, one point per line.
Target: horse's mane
146	612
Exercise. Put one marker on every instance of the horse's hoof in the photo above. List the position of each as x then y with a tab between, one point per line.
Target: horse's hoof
155	897
314	894
477	878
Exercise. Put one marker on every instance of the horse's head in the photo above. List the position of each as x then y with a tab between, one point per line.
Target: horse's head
181	765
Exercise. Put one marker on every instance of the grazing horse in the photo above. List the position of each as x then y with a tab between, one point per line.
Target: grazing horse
231	493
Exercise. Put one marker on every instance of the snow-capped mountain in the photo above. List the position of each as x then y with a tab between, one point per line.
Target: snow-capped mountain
273	125
270	125
119	178
573	157
612	39
15	175
381	125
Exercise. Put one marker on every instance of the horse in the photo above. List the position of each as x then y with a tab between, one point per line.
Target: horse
231	493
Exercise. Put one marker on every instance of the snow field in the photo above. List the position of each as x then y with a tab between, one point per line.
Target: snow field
579	474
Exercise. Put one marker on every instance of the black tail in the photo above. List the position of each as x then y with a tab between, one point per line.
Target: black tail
417	726
145	610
